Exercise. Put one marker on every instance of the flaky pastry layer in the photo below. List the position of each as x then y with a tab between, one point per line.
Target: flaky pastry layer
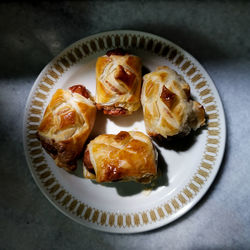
66	125
123	157
167	106
118	83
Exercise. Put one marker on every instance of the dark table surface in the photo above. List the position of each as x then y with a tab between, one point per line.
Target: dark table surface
217	33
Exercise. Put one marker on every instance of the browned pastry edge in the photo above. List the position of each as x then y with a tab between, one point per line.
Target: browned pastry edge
198	111
112	110
147	179
58	152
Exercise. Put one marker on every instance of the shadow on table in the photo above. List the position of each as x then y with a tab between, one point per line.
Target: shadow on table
197	44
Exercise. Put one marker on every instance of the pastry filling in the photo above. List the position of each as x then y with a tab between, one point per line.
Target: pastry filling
112	110
125	76
80	90
87	162
116	52
168	97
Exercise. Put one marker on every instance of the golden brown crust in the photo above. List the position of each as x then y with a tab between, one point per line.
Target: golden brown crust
66	125
125	156
118	82
167	107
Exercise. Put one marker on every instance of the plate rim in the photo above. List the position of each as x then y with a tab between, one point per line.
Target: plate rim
198	195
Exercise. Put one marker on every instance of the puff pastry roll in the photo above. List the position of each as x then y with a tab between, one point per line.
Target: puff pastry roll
167	107
66	125
122	157
118	83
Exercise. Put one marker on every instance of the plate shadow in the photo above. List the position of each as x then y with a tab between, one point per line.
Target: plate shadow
180	144
127	121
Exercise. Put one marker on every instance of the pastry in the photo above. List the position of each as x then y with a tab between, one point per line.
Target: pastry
66	125
167	107
118	83
127	156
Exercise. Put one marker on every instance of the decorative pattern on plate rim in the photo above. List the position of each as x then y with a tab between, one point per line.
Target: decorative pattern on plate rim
84	49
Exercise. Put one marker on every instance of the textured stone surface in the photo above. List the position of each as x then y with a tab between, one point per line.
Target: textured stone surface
216	33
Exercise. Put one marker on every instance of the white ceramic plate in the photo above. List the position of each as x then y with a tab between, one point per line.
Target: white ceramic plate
188	169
